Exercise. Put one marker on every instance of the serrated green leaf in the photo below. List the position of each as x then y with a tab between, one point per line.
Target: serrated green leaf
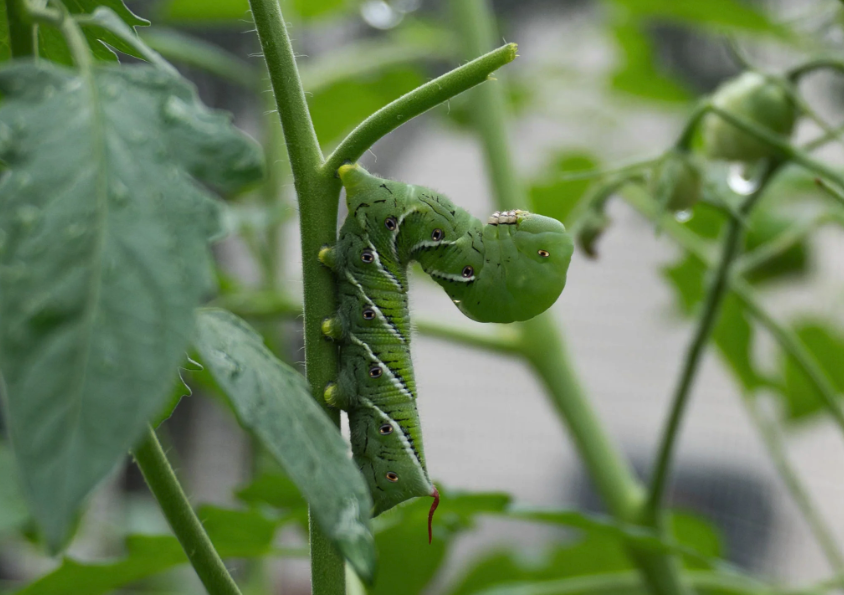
556	198
273	401
824	340
53	47
105	256
235	534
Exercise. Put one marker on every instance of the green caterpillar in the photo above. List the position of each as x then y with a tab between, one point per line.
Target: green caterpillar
512	268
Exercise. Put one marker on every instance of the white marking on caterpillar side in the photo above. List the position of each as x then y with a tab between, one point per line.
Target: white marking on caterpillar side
398	431
506	217
394	380
381	267
431	244
375	308
403	216
451	277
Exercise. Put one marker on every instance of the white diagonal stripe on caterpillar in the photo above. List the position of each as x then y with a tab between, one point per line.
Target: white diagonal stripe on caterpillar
451	277
382	268
397	429
431	244
398	229
380	315
394	380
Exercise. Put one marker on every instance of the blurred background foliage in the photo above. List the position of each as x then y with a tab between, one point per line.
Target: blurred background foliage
358	55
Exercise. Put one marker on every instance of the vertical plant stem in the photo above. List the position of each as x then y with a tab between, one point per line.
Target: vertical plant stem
165	487
776	450
21	31
541	344
317	196
706	322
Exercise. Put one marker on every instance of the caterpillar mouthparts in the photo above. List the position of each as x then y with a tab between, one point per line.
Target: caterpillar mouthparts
507	217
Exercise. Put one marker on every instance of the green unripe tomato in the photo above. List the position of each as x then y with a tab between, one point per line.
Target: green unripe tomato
754	97
676	181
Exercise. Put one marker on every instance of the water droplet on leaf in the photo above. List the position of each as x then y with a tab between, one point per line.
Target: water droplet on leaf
683	216
744	178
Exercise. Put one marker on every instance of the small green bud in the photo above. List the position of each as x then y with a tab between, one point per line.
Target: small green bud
595	223
754	97
676	181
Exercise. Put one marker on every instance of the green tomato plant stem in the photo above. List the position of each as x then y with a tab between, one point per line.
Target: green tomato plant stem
715	295
163	484
317	198
541	344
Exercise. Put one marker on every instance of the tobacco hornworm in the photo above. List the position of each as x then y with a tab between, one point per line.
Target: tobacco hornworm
512	268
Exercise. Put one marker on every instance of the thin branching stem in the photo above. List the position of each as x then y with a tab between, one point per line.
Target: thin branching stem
787	340
177	510
706	322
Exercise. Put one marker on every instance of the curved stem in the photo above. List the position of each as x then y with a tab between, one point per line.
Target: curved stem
417	102
706	322
162	482
801	70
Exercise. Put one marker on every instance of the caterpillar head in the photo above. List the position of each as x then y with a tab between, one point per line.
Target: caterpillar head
521	271
510	269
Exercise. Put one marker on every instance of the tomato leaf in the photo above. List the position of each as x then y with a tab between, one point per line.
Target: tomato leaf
104	257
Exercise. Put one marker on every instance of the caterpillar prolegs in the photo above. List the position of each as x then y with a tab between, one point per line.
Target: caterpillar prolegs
510	269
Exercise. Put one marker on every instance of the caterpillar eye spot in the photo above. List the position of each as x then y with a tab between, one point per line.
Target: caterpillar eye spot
544	253
437	235
386	429
390	223
368	314
375	372
392	477
367	256
468	271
